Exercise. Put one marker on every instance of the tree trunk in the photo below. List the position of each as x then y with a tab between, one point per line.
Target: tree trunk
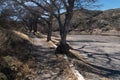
68	16
63	34
35	26
49	31
63	47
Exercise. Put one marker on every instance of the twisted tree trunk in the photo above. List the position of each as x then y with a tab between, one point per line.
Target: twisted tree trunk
63	47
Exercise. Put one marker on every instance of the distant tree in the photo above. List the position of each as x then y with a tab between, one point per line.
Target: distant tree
46	15
38	13
7	15
28	15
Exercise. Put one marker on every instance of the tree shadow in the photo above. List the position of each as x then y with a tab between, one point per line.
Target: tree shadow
40	51
104	71
84	41
107	72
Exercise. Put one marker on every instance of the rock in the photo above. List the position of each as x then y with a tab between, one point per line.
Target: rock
46	75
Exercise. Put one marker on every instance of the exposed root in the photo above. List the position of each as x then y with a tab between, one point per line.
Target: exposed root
65	49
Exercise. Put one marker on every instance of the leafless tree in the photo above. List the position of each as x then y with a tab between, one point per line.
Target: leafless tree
40	13
55	9
68	6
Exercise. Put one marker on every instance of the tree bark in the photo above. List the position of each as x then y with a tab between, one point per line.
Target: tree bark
63	34
63	47
34	24
49	31
35	27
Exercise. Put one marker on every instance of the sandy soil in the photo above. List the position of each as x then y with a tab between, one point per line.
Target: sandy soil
103	51
47	65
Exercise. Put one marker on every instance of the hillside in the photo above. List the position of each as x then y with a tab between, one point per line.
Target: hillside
95	22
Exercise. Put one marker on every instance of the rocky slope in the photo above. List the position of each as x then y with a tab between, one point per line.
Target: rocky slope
94	21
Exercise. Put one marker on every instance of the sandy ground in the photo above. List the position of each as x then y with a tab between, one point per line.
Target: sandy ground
47	65
103	51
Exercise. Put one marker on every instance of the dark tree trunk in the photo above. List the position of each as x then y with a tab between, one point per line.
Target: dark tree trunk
35	27
30	27
49	31
63	34
63	47
68	16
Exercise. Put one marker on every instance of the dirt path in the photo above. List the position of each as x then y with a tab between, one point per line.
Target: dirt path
102	51
47	65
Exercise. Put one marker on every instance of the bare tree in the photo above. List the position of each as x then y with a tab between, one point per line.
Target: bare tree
7	15
40	13
46	15
68	6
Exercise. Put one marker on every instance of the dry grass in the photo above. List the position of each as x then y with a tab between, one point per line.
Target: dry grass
12	42
15	51
18	69
22	35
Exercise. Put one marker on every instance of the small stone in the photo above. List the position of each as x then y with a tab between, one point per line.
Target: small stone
53	73
46	75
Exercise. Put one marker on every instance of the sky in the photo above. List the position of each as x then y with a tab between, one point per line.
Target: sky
108	4
104	4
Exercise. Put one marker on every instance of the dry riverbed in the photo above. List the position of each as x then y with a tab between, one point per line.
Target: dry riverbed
102	51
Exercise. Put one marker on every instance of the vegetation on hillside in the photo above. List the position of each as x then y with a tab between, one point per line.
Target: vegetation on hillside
90	20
